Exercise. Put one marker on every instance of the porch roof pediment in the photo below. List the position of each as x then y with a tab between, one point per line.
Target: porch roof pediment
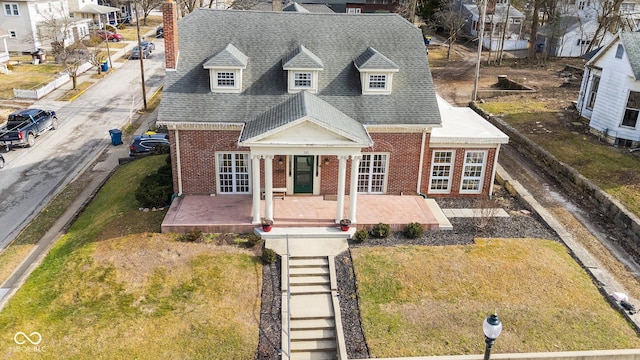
304	119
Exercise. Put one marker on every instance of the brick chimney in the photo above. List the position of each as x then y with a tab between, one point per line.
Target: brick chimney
276	5
170	24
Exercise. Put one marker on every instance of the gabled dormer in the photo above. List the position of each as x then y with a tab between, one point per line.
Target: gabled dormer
225	70
376	72
303	69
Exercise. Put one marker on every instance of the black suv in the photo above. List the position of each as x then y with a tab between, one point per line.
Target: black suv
149	143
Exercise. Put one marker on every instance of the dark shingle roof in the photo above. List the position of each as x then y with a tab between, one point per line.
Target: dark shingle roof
306	105
337	39
301	58
371	59
229	56
631	43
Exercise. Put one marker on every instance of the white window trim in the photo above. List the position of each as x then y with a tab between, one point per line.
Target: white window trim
365	78
292	81
13	34
218	164
451	169
11	5
354	10
626	107
213	80
386	173
481	177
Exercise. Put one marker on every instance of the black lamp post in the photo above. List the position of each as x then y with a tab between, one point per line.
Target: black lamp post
492	327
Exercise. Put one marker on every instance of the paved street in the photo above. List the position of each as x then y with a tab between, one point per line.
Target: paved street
33	175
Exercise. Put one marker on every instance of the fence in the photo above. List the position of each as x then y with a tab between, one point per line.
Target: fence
40	92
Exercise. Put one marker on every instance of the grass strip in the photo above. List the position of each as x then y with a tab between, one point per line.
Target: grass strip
431	300
143	295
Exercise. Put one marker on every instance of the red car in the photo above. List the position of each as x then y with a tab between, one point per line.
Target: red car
108	35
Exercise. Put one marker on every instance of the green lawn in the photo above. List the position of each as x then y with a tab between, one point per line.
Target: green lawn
614	170
431	300
99	294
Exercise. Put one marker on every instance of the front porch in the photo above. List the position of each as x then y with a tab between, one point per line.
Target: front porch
233	213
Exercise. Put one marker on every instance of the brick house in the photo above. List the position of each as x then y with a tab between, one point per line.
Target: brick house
313	104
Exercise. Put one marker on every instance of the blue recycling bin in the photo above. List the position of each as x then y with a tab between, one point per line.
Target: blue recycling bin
105	66
116	137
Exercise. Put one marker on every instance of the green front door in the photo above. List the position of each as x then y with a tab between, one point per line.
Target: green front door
303	174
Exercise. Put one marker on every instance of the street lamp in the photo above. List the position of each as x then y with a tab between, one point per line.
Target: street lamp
492	327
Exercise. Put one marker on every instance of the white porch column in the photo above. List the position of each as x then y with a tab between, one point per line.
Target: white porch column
268	187
255	179
353	189
342	179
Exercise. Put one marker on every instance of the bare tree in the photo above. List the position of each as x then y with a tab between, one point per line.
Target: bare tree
97	57
188	6
58	28
609	19
241	4
147	6
452	21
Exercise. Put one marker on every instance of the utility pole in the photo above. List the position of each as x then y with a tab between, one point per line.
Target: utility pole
140	56
483	10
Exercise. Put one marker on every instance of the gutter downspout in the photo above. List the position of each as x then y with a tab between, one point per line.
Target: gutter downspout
493	172
178	167
422	145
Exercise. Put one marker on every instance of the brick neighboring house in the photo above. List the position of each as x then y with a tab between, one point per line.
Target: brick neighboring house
314	104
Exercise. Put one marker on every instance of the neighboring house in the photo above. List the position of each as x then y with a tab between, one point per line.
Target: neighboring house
25	22
90	9
292	6
575	29
502	26
610	91
310	106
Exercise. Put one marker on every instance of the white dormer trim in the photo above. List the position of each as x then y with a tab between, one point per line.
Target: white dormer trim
219	79
376	83
225	70
298	80
376	72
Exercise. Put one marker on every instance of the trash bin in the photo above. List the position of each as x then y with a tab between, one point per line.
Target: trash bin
116	137
427	40
105	66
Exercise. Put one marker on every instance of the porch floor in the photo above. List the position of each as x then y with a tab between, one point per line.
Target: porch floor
232	213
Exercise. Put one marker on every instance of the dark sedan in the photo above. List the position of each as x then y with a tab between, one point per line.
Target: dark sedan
135	53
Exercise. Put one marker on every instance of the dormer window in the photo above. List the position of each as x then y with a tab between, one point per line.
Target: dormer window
376	72
225	70
303	68
302	80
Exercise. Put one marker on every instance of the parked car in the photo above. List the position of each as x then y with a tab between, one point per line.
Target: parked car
135	53
160	32
23	126
146	144
1	161
150	45
108	35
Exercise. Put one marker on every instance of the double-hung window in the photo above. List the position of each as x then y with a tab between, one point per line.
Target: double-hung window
472	172
632	110
226	79
372	174
595	83
11	9
441	170
233	173
377	82
302	80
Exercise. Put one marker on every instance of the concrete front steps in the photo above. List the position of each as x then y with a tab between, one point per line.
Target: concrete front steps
312	317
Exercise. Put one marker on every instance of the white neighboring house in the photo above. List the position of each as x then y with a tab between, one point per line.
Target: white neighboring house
4	52
90	9
501	20
572	34
24	22
610	91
